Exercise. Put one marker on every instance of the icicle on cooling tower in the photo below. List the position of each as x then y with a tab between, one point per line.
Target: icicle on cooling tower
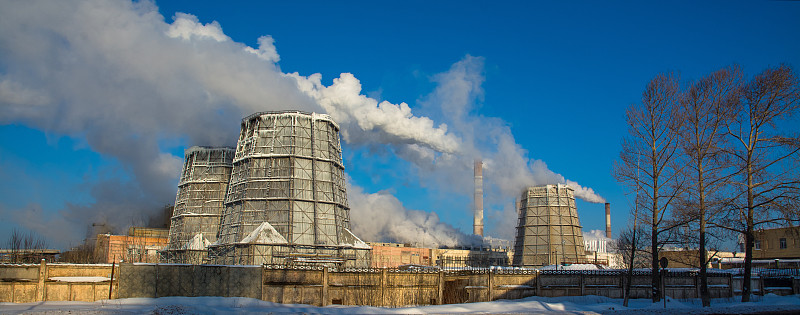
199	203
286	202
548	230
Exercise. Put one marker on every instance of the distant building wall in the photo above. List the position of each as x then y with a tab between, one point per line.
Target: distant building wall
395	256
689	258
118	248
775	243
391	255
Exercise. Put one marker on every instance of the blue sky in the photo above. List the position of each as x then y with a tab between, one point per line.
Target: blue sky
554	77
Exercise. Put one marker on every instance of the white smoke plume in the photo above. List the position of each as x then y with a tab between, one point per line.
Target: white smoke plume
117	74
507	168
594	235
381	216
364	120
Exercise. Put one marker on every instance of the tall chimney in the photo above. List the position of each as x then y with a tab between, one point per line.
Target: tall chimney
477	227
608	220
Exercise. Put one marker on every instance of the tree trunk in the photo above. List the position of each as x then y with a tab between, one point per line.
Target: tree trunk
748	236
704	295
655	278
629	276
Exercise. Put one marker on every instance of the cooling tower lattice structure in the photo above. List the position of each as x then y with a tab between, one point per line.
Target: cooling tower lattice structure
548	230
199	203
286	202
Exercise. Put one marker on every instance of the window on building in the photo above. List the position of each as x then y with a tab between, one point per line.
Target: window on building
757	244
783	243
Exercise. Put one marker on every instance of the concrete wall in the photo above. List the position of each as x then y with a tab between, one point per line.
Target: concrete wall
56	282
318	286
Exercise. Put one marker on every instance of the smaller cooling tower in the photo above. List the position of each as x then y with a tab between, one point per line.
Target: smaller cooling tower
548	229
199	203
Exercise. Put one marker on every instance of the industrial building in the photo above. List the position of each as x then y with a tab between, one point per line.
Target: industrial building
394	255
278	198
140	245
199	203
548	229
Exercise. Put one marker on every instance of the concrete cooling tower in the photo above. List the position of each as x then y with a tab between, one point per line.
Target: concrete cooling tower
286	202
199	203
548	230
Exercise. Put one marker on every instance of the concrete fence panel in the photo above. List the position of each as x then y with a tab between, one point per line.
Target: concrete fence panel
513	286
137	281
210	280
244	281
174	280
316	286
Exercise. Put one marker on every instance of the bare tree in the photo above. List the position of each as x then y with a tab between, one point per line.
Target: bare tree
649	161
81	254
765	184
704	109
25	247
629	245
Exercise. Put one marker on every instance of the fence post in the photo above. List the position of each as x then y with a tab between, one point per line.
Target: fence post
40	289
441	287
538	283
491	286
581	281
697	284
325	297
383	287
730	285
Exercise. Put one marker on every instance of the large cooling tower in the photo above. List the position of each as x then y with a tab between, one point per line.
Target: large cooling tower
286	202
548	230
199	203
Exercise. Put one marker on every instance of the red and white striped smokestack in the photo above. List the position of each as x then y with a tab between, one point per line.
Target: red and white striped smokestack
608	220
477	225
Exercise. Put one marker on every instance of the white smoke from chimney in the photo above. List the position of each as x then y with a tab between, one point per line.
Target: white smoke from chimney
382	217
138	81
365	120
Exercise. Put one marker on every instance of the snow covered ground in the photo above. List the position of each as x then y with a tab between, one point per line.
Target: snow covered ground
536	305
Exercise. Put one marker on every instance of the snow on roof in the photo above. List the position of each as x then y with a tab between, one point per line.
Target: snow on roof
198	242
353	240
80	279
571	267
264	234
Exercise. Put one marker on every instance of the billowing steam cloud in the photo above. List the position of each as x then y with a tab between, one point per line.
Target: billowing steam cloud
367	121
507	168
381	216
115	73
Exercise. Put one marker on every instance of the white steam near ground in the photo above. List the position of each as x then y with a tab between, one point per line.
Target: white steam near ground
117	74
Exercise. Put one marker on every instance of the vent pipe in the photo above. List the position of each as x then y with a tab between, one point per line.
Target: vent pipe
608	220
477	227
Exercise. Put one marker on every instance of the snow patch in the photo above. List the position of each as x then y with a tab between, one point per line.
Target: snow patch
264	234
80	279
